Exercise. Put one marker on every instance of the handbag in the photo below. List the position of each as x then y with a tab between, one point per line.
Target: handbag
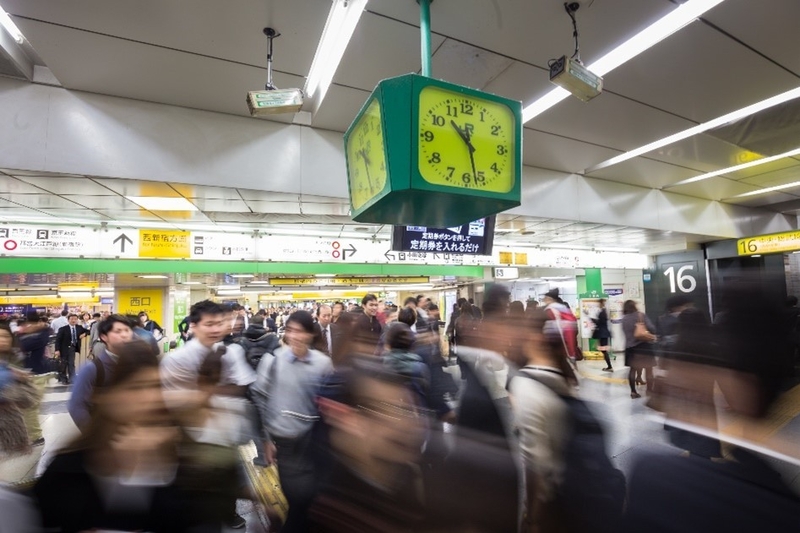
266	485
640	332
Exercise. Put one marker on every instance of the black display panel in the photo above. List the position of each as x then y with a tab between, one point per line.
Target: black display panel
475	238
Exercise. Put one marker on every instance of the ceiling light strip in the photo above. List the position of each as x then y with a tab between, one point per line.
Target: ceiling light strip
730	170
342	21
10	27
769	189
700	128
675	20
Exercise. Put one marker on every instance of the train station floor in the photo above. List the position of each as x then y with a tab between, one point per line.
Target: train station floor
630	427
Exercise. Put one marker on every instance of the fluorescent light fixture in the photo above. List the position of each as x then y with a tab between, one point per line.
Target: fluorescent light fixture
153	276
324	275
229	293
342	21
226	288
642	41
43	285
242	276
10	27
618	250
769	189
565	246
192	283
75	294
736	168
756	255
733	116
258	282
162	203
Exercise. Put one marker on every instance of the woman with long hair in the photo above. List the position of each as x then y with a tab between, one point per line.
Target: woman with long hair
638	352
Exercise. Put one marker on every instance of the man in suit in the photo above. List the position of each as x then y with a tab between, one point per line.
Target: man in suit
324	330
68	342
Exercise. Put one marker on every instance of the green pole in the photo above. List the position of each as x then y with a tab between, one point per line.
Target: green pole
425	36
594	282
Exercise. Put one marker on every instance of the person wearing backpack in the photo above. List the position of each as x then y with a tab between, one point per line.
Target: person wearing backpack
561	328
257	341
571	485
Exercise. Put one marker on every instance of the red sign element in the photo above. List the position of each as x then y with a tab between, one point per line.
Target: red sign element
10	245
335	245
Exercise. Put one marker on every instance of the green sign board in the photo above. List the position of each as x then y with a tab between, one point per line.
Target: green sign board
430	153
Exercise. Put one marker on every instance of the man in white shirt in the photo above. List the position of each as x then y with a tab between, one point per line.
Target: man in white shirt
60	322
180	374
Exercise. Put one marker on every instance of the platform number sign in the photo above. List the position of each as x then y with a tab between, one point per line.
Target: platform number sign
682	280
681	274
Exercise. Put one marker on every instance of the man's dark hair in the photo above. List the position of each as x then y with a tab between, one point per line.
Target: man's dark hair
400	336
471	301
407	316
206	307
304	319
64	312
420	297
258	320
337	303
96	315
321	306
433	307
132	358
410	300
461	301
368	298
72	315
141	314
108	324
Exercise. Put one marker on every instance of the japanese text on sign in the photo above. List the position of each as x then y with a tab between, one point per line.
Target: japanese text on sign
766	244
164	244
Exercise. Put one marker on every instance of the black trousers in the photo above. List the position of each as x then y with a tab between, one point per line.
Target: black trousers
68	364
298	480
606	356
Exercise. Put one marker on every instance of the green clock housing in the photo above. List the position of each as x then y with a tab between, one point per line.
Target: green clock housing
426	152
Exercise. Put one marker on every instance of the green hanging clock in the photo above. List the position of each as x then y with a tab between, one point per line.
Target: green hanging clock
430	153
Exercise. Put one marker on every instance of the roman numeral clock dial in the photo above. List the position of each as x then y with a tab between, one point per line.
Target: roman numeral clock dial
466	142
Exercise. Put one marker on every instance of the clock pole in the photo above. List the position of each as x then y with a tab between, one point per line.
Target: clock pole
425	35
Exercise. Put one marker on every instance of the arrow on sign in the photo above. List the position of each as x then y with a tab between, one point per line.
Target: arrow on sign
351	250
388	256
121	240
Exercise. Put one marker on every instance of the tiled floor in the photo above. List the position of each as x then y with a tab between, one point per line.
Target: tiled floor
630	427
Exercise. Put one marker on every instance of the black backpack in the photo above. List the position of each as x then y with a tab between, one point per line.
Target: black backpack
592	492
254	349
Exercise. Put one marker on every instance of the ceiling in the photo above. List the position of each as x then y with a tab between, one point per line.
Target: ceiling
69	199
206	54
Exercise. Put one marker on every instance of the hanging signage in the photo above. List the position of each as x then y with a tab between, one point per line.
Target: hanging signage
168	244
769	244
46	241
222	246
506	273
134	301
284	282
475	238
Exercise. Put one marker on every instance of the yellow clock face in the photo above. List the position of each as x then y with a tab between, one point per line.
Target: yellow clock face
366	157
466	142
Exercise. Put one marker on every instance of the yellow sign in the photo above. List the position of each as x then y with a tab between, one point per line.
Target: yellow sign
506	258
386	280
166	244
769	244
80	286
48	300
134	301
338	295
521	258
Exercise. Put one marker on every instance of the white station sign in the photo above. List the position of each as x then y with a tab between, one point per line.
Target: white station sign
18	240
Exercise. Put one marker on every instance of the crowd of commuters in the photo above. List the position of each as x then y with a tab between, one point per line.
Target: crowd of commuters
372	428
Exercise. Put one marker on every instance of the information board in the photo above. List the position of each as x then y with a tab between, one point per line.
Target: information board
475	238
769	244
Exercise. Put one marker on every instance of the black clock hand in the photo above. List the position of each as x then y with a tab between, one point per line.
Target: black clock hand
363	154
466	137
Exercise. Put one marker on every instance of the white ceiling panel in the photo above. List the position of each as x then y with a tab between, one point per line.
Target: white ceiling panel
685	75
138	188
778	176
339	108
767	198
764	25
591	121
645	173
176	217
232	31
77	214
380	48
267	196
545	150
37	201
214	204
9	184
202	191
260	206
130	215
144	72
66	185
519	82
706	154
716	188
102	202
464	64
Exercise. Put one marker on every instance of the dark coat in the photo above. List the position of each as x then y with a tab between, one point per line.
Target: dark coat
602	330
64	338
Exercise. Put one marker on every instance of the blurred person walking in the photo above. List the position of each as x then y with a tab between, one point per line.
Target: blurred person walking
123	472
602	332
151	326
639	339
114	333
34	336
285	393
